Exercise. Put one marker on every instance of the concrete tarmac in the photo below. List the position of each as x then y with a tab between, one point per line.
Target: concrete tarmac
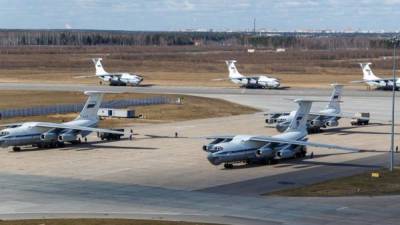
157	176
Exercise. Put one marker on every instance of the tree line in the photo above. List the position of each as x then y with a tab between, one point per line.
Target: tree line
132	38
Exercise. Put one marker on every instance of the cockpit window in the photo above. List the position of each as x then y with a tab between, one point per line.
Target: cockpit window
4	133
227	140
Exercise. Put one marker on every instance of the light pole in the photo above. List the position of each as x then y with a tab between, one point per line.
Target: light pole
395	41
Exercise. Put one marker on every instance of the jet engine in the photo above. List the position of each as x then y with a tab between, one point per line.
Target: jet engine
67	137
48	136
252	81
316	123
263	84
332	123
285	153
264	153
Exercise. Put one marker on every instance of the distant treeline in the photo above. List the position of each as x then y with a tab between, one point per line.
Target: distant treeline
271	40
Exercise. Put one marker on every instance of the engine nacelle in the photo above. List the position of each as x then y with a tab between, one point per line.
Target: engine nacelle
264	153
316	123
252	81
48	137
281	127
332	123
67	137
263	84
285	153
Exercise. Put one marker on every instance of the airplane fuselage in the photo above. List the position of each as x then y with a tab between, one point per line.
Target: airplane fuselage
241	149
381	84
119	79
30	134
314	120
257	82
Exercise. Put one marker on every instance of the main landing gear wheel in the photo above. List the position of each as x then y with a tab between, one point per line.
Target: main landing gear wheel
228	166
16	149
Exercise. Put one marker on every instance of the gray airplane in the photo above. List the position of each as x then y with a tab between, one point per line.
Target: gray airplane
266	149
328	117
44	134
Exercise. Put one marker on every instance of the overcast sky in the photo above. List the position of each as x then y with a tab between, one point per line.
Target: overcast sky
195	14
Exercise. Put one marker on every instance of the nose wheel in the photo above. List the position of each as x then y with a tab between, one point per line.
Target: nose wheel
16	149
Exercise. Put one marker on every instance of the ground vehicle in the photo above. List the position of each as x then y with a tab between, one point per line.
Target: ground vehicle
110	136
362	118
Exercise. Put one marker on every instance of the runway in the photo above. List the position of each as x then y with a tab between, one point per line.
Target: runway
170	178
378	103
190	90
38	196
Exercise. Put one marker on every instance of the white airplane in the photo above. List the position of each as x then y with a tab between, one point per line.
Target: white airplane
327	117
253	81
376	82
116	79
44	134
266	149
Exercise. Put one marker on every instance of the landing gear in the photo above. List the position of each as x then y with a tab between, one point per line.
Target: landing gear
76	141
16	149
60	144
228	166
303	151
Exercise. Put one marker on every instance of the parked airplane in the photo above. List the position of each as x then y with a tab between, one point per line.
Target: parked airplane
376	82
44	134
327	117
266	149
253	81
115	79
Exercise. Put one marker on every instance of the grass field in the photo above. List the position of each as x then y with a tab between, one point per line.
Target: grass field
189	66
95	222
191	108
358	185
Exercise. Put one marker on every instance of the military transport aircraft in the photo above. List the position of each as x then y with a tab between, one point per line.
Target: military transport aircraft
266	149
252	81
114	79
373	81
327	117
44	134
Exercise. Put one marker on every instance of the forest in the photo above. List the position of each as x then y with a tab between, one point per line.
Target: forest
244	39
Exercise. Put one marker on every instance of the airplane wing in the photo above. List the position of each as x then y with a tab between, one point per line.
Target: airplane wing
74	127
11	125
373	80
220	137
294	142
220	79
348	116
79	77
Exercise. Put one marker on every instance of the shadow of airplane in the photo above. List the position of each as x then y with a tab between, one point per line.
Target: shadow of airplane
304	163
145	85
350	130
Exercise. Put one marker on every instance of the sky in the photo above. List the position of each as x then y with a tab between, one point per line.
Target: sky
170	15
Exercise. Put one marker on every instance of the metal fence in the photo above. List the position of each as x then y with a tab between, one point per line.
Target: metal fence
71	108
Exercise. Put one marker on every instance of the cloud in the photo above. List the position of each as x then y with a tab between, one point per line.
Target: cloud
67	26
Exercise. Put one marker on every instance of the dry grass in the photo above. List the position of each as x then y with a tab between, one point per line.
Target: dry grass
95	222
192	107
358	185
189	66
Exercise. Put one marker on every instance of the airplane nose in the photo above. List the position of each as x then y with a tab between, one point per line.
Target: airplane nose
213	159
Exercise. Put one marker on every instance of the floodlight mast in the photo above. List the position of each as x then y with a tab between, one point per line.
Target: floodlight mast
395	41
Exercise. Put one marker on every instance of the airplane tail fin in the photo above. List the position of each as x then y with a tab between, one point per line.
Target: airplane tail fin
233	72
367	72
334	102
92	105
99	67
299	121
